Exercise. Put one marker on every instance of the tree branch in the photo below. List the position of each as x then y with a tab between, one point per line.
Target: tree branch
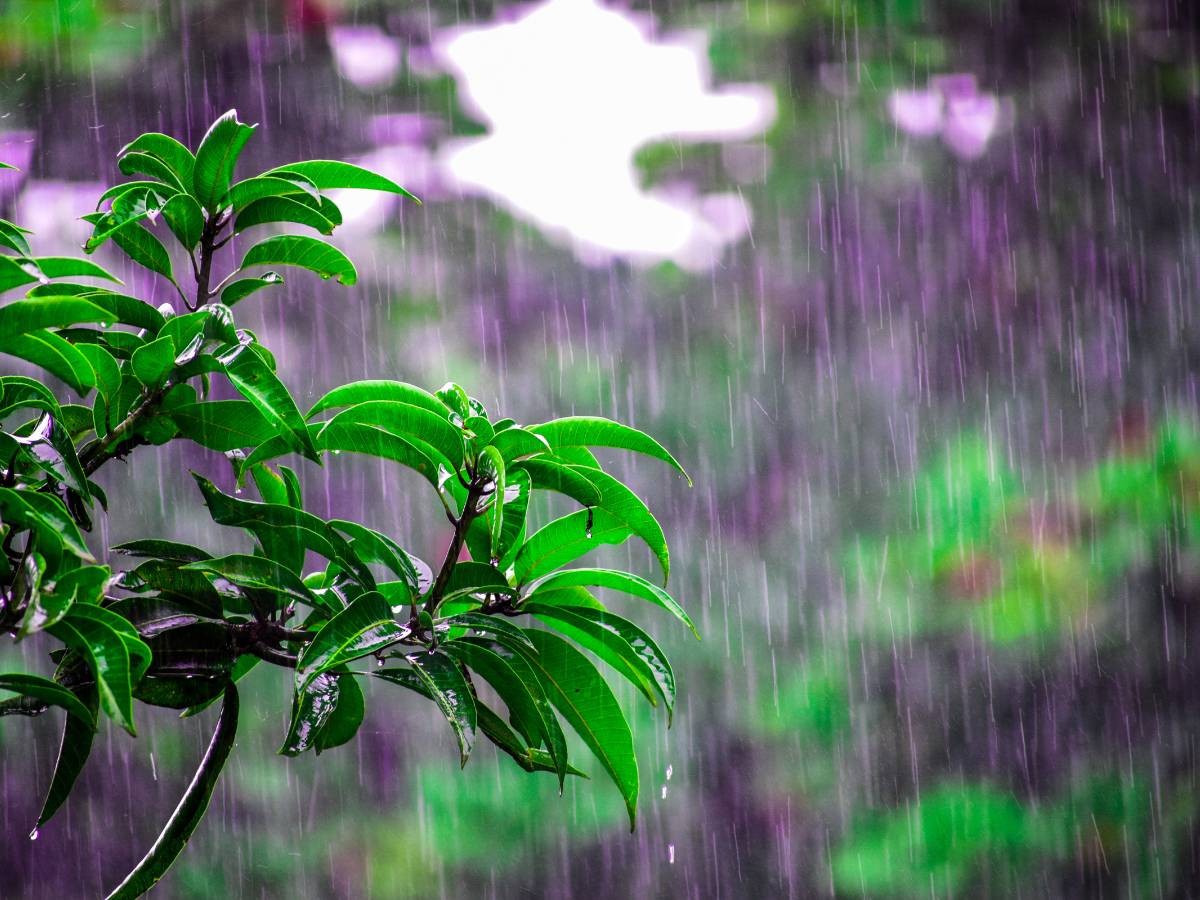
461	524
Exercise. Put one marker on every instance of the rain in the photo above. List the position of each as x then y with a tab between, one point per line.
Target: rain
905	285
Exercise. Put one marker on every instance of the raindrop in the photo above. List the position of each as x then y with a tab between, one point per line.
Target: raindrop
33	835
671	854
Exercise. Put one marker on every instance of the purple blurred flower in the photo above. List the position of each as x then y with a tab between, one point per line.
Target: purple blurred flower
918	113
365	55
951	106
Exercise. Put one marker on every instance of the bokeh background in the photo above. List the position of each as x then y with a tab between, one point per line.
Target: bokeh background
909	286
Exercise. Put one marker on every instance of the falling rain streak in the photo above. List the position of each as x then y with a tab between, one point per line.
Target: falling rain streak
909	288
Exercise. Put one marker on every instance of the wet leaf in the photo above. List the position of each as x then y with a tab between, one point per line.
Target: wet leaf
58	357
223	424
259	573
40	313
407	421
281	209
343	724
174	155
152	362
239	290
299	250
268	185
216	158
364	627
585	700
329	174
73	752
619	643
618	581
256	382
450	691
312	708
592	431
364	391
566	539
49	693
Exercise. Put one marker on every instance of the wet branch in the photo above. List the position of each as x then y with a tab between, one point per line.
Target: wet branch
475	491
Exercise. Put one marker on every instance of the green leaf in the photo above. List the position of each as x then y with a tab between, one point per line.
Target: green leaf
13	237
271	488
495	512
563	540
223	425
152	363
38	313
36	508
256	382
73	752
108	657
475	578
524	712
329	174
268	185
348	437
140	245
178	158
585	700
185	218
118	190
494	625
21	392
281	209
83	585
548	475
160	549
362	628
191	808
618	581
14	273
407	421
255	517
450	691
347	716
122	308
312	707
239	290
146	164
626	506
259	573
591	431
216	158
363	391
54	354
515	443
49	693
372	546
306	252
131	207
619	643
180	691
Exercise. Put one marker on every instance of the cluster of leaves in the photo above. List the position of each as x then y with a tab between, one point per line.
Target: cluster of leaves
983	553
943	839
181	627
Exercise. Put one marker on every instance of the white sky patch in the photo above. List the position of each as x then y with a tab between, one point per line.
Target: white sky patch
570	91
